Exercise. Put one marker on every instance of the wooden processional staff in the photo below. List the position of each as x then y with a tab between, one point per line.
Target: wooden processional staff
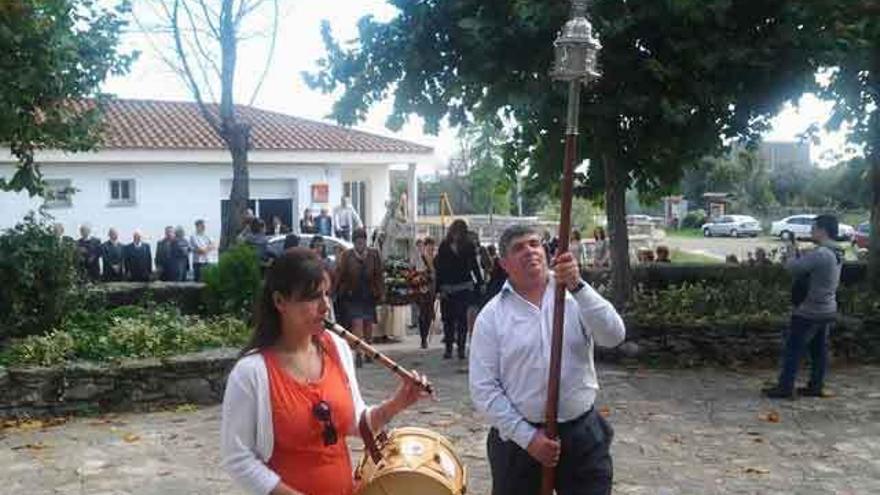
575	49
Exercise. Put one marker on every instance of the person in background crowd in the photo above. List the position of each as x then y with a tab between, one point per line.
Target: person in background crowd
112	258
458	276
497	278
58	229
814	297
163	256
180	251
360	285
484	260
278	227
307	223
319	247
202	245
291	240
663	254
89	249
425	299
731	259
577	249
293	396
601	253
246	220
257	239
346	219
138	259
324	223
761	258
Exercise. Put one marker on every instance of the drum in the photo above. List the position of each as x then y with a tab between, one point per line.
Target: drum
414	461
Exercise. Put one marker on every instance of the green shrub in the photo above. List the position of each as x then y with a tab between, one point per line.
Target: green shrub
694	219
232	284
38	279
126	332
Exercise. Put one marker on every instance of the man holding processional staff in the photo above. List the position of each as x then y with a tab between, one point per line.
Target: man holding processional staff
509	363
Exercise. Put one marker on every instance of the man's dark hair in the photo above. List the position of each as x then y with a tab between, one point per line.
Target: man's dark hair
511	233
828	223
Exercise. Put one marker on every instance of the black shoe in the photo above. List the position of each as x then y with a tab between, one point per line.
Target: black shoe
461	354
424	344
447	354
777	393
814	392
358	361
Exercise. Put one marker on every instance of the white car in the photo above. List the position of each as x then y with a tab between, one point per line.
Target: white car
733	226
801	226
276	244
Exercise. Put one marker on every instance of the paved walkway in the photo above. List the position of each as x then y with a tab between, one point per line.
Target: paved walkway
678	432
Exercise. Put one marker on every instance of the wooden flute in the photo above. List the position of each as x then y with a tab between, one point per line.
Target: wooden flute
360	345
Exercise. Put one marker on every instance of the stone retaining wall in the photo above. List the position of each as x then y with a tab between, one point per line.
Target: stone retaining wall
197	378
185	295
852	342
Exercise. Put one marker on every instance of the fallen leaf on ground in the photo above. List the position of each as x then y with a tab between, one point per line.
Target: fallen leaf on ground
751	470
131	437
186	408
771	417
439	423
31	446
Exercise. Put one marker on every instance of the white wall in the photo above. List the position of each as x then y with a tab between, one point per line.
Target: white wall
166	194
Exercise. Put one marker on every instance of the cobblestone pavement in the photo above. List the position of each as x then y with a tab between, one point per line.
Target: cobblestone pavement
677	432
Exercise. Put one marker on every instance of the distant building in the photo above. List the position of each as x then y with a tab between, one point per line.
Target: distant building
779	155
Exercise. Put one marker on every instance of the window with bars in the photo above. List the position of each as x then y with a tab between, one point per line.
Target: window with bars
122	192
58	193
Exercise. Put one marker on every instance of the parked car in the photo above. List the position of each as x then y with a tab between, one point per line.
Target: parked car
733	226
862	235
801	226
276	244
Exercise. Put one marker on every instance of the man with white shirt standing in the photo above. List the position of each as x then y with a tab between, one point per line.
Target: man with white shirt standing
346	220
509	371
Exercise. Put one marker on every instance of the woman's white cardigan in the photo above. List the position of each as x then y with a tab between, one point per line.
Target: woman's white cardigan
246	434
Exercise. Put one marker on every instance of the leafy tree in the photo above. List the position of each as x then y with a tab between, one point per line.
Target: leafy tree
678	76
851	32
56	53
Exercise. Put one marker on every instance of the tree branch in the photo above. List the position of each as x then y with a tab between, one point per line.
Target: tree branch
194	87
270	55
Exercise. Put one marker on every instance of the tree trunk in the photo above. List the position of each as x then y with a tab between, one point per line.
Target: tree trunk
874	239
237	137
615	205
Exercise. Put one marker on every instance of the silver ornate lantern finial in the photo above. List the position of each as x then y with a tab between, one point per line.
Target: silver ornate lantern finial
576	47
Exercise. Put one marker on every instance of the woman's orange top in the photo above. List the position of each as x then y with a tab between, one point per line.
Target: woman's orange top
299	455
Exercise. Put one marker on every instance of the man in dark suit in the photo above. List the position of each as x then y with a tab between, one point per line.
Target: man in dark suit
163	256
112	257
138	259
89	249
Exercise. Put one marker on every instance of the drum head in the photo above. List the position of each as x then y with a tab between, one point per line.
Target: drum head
405	483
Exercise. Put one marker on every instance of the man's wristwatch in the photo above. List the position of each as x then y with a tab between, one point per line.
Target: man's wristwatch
581	284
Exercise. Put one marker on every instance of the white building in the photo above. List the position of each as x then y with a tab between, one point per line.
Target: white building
161	164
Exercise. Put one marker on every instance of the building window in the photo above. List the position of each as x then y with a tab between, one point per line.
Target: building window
357	191
58	193
122	192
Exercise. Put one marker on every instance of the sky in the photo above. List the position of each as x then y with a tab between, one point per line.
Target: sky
299	46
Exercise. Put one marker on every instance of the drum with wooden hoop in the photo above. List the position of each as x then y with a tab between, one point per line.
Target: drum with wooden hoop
412	461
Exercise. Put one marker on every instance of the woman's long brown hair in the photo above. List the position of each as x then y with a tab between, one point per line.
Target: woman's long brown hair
298	273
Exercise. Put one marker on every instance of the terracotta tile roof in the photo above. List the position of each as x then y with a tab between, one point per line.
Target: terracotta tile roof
154	124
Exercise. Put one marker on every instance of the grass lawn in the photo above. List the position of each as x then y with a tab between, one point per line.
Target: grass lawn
679	256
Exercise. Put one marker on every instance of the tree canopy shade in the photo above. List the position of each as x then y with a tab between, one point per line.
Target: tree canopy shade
678	78
55	52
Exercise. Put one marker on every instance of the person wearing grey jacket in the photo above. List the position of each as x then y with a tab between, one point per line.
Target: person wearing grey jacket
816	276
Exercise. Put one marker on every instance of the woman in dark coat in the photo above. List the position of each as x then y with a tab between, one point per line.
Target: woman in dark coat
458	278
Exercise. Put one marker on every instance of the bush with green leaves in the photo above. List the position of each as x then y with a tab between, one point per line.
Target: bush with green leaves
38	278
232	284
694	219
126	332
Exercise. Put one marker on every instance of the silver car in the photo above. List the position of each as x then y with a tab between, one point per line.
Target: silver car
733	226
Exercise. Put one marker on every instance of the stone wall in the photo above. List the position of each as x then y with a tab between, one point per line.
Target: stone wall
197	378
185	295
852	342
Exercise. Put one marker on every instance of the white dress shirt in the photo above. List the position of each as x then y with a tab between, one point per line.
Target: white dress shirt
510	357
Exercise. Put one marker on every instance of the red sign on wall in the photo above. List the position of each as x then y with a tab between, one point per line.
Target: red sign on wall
320	193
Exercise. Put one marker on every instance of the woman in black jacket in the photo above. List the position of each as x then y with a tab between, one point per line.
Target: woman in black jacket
458	281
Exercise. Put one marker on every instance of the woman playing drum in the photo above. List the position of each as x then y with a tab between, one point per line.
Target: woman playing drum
293	397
